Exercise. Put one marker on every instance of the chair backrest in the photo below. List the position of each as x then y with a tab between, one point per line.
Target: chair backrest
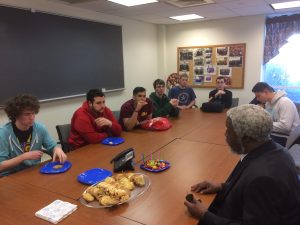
295	153
235	102
63	132
293	138
298	107
116	114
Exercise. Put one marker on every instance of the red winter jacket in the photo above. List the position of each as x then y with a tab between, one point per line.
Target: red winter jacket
84	130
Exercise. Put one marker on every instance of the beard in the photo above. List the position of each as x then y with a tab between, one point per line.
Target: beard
98	113
237	148
238	151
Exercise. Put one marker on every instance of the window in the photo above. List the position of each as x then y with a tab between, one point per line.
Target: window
283	71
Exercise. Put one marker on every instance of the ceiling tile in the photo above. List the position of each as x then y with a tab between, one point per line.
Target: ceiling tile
160	12
243	3
254	10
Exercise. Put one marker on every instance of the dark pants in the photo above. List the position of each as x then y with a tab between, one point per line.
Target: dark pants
279	140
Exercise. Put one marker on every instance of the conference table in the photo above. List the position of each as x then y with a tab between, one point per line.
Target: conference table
20	201
195	146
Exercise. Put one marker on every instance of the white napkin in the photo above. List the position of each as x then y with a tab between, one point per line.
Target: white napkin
56	211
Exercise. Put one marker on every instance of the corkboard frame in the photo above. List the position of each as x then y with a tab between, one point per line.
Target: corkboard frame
227	60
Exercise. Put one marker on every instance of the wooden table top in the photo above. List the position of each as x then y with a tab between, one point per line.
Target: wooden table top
191	162
195	147
211	130
99	156
20	201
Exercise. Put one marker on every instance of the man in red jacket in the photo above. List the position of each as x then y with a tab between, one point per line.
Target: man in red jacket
93	121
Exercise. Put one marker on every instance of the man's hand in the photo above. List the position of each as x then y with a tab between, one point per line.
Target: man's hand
196	208
220	92
101	121
207	187
32	155
174	102
181	107
59	155
140	105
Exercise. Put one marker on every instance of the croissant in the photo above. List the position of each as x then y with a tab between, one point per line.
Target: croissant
107	200
88	197
139	180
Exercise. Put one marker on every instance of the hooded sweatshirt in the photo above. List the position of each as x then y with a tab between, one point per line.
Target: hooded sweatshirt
284	113
84	129
10	146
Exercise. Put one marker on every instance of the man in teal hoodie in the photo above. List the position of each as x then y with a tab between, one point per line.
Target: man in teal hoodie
163	106
22	140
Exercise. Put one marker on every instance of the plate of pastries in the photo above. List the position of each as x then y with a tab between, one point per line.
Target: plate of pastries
115	190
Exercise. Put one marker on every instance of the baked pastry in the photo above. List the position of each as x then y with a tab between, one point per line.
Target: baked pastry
92	190
124	198
58	166
114	190
107	200
88	197
129	176
119	176
139	180
109	180
126	183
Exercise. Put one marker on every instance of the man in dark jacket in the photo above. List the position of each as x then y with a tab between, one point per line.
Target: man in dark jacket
263	189
220	94
163	106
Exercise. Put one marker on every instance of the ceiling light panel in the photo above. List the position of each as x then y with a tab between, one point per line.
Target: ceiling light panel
132	2
286	5
187	17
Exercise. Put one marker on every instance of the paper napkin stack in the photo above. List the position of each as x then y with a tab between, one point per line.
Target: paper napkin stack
56	211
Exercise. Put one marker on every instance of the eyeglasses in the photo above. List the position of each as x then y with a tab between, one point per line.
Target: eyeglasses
160	86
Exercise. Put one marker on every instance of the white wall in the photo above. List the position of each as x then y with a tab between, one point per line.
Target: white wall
150	51
249	30
139	53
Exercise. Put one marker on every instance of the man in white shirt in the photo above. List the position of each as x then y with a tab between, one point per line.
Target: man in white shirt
283	111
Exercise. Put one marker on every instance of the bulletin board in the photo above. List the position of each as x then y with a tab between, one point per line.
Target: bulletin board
203	64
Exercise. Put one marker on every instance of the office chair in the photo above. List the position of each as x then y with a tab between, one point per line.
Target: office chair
294	138
235	102
116	114
295	153
63	132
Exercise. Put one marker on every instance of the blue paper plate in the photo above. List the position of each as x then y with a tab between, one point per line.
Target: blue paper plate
168	165
50	168
93	176
113	141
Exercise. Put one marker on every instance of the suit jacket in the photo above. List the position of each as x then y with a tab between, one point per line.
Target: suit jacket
263	189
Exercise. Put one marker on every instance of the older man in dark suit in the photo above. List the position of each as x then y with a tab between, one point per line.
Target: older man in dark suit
263	189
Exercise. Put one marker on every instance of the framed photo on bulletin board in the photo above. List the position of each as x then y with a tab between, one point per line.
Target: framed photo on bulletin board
203	64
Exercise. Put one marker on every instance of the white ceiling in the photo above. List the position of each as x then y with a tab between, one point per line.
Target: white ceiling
159	13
